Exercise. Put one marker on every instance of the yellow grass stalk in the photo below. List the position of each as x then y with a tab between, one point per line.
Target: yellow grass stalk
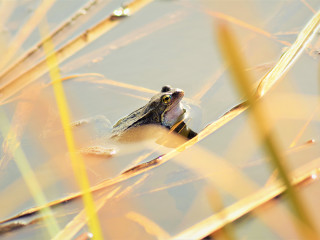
76	159
66	51
28	175
230	52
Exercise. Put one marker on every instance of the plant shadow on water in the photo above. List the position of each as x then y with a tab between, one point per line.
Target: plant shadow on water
219	184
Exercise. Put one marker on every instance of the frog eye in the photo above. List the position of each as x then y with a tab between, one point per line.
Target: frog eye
166	99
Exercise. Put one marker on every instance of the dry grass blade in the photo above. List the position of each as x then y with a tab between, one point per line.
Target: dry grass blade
78	221
137	170
308	6
230	51
220	174
247	204
161	160
22	35
248	26
296	139
290	56
128	38
150	227
66	51
103	80
61	33
8	195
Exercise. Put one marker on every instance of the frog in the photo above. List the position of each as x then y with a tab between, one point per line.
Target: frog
164	109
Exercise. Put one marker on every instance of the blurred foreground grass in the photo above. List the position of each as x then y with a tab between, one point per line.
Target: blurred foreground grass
192	191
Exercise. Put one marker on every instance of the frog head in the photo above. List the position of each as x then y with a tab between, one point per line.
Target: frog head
169	105
164	109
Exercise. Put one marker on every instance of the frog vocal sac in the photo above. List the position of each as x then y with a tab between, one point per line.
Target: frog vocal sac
164	109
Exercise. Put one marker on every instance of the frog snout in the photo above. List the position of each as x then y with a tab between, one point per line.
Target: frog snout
178	93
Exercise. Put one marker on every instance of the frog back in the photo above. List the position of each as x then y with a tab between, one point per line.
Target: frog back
140	117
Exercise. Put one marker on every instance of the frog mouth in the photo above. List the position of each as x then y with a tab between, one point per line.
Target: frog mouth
176	98
175	112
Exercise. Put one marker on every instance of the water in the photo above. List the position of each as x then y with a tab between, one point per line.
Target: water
167	42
